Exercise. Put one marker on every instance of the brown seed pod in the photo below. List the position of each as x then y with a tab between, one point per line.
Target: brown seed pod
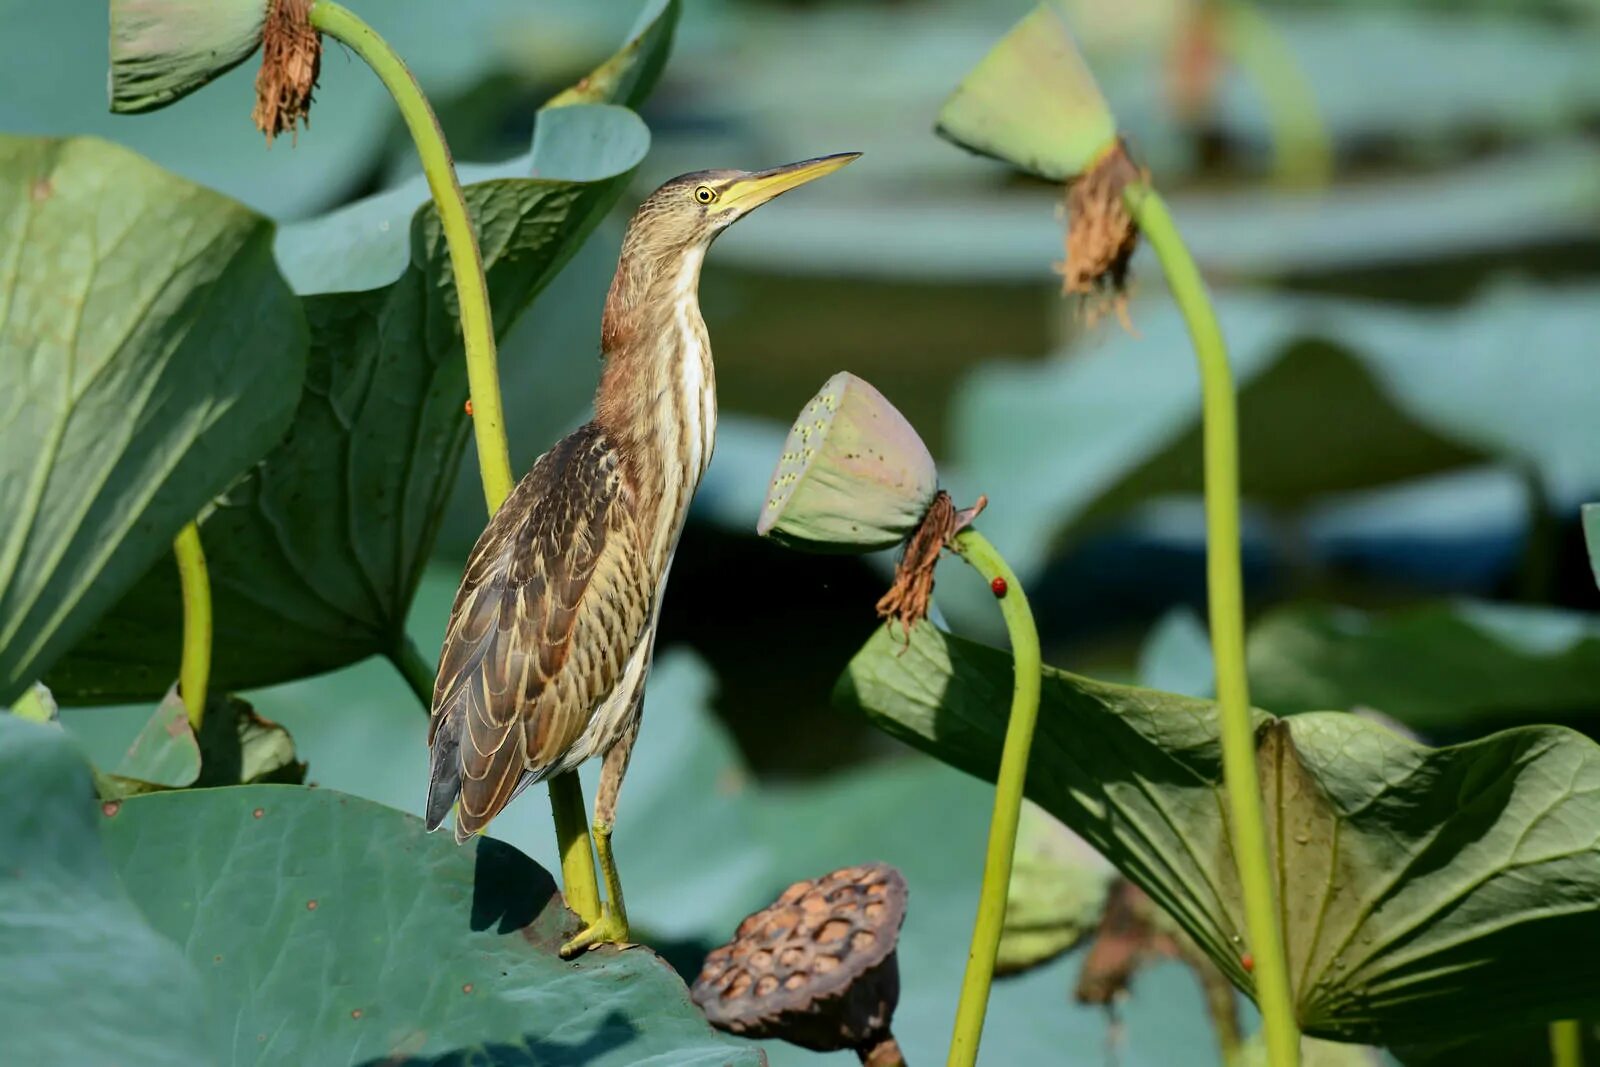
816	968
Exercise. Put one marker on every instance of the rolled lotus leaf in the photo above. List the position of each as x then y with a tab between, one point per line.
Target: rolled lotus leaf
162	50
1032	102
854	476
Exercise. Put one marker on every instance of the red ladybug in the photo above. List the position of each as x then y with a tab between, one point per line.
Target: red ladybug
998	587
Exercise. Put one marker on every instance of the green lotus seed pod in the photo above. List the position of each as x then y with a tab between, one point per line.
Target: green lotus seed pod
1032	102
162	50
854	476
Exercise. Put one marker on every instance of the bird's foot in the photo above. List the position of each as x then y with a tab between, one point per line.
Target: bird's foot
609	929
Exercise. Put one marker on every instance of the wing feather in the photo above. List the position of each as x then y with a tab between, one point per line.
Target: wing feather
554	600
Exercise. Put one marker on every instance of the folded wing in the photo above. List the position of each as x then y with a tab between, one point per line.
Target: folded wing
553	602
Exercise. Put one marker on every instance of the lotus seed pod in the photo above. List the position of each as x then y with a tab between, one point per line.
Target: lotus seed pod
162	50
817	968
1032	102
853	477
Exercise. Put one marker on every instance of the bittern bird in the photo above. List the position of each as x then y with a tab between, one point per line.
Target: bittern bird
553	629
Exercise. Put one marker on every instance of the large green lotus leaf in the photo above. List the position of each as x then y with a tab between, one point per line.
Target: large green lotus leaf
1434	667
700	843
1417	883
334	930
52	81
315	554
1334	396
149	353
85	980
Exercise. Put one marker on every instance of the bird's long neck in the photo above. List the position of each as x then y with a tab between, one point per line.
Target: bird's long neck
658	398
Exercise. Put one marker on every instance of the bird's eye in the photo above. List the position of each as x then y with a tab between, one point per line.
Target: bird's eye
705	194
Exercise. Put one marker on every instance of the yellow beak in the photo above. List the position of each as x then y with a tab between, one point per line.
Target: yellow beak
755	190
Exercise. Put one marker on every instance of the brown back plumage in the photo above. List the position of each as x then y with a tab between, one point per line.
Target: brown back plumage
554	599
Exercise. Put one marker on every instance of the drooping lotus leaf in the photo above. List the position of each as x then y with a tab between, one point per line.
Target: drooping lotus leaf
1433	667
299	904
149	353
628	76
235	746
86	980
853	476
1032	102
316	552
164	754
162	50
1416	883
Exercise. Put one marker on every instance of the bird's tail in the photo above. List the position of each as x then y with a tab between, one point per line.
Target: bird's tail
444	773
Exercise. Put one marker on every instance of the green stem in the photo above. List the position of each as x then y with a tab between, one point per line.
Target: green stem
1225	587
1541	558
483	377
1302	150
415	669
194	670
976	550
1566	1043
472	288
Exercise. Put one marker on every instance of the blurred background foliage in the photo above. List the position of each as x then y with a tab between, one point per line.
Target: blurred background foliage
1416	339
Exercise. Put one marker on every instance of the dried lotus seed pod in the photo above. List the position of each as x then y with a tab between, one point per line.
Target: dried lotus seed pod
816	968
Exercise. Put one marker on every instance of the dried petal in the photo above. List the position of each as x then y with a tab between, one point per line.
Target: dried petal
291	60
1101	235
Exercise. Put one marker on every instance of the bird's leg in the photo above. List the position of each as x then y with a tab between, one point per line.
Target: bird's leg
612	926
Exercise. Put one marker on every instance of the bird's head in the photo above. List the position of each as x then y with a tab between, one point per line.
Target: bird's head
690	210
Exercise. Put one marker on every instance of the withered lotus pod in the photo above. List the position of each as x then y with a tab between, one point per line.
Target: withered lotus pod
853	477
816	968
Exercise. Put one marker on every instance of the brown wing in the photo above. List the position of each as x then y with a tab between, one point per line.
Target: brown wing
554	599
